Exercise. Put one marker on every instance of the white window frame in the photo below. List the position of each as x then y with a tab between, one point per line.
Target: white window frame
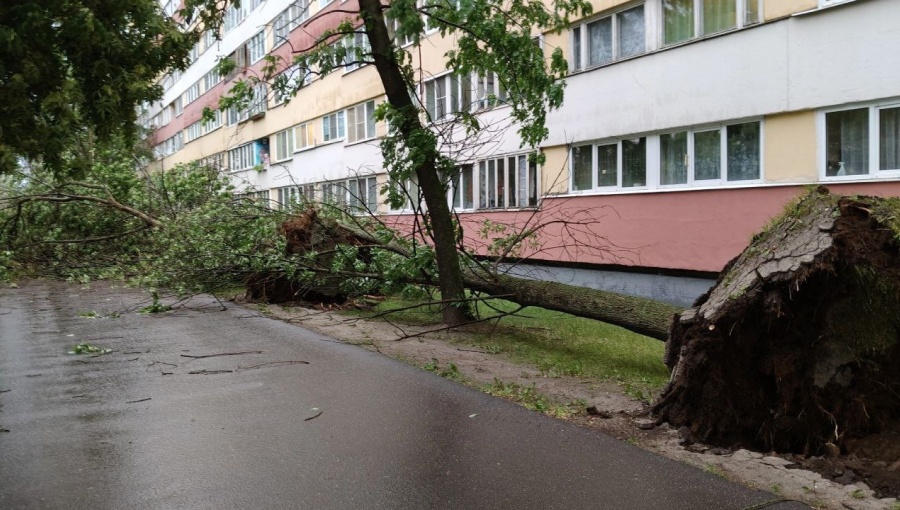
304	136
211	79
503	199
362	194
740	21
191	94
581	39
654	164
214	123
356	47
282	143
439	100
487	92
465	174
193	132
241	158
256	47
873	144
361	122
338	120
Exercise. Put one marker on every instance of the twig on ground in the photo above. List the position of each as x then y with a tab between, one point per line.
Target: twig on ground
209	372
292	362
313	417
136	401
133	359
5	391
220	354
161	363
473	350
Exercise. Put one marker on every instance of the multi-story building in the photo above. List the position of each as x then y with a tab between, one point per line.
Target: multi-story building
687	124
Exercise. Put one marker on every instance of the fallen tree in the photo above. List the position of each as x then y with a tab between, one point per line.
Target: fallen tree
321	236
796	346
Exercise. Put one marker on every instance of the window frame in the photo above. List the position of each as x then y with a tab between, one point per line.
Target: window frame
483	192
741	21
340	124
256	47
352	122
286	138
242	154
873	144
450	81
580	38
306	129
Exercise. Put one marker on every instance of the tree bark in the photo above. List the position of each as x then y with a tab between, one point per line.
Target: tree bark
439	218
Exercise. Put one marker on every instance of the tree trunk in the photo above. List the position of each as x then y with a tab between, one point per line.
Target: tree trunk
796	346
439	219
644	316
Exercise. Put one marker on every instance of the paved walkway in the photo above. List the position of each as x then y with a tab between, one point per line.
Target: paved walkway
146	427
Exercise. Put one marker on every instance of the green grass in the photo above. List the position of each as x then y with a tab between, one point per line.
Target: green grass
558	344
529	398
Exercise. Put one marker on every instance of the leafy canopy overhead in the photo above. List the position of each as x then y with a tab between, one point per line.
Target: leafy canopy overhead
79	65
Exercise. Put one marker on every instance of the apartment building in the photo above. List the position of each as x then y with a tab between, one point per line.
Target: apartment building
687	124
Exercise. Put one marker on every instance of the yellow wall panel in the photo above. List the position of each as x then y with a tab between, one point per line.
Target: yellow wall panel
773	9
555	170
790	147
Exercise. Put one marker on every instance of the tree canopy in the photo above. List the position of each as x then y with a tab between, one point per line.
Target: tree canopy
69	66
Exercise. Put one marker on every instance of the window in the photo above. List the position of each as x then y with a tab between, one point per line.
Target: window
179	106
296	195
234	15
241	158
334	193
333	126
256	47
361	122
304	136
211	79
284	145
409	190
617	36
862	141
703	157
622	163
446	95
687	19
462	189
192	132
259	104
194	54
730	153
357	49
209	39
489	91
363	194
507	182
213	123
289	19
287	82
191	94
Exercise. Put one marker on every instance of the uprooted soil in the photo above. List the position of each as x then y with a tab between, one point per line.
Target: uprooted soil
865	476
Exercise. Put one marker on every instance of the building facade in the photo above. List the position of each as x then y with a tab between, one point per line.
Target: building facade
687	124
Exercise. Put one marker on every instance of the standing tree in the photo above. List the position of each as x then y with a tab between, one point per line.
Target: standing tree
75	66
491	38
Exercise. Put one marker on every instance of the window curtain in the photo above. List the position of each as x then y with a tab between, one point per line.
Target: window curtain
632	38
743	151
673	158
523	181
678	20
707	155
719	15
889	138
600	42
847	139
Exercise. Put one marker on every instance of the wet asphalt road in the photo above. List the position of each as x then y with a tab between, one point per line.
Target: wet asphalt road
389	436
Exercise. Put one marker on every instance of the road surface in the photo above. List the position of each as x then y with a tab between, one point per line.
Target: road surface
146	427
